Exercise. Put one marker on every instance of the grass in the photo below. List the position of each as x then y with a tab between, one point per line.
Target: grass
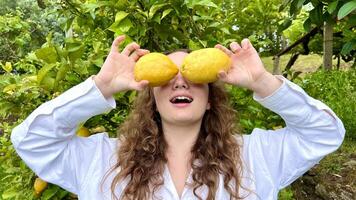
304	63
286	194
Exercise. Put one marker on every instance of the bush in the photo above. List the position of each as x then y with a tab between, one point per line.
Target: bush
337	90
250	113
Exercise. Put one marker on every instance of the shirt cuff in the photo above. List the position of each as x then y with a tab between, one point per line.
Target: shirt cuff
291	100
276	95
76	105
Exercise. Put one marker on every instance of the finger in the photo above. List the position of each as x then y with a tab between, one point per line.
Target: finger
245	44
140	85
224	49
116	43
235	47
138	53
222	75
130	48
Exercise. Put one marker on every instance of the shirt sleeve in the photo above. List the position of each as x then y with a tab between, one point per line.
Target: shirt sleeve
47	142
312	131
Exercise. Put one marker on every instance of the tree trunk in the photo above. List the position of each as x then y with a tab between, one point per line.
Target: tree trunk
276	69
328	45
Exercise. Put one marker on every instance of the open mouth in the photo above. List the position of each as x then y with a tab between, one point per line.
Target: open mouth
181	100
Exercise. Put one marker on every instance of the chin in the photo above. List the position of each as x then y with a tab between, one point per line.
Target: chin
181	119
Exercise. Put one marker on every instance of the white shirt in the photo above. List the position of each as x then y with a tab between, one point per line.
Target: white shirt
273	159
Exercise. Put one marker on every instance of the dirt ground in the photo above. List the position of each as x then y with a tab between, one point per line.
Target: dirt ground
333	179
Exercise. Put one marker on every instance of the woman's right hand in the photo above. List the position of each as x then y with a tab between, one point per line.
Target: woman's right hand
117	73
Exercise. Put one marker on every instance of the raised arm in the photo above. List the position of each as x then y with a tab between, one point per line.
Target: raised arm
46	139
312	129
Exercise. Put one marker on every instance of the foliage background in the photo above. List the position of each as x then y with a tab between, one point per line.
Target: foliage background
49	46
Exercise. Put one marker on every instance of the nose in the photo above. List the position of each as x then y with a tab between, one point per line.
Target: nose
179	82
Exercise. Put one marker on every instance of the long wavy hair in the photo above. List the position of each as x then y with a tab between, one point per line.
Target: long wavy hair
141	154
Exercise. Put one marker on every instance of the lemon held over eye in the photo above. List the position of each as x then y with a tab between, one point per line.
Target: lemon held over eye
157	68
203	65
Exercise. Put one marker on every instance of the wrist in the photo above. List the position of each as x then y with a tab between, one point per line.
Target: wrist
266	85
104	88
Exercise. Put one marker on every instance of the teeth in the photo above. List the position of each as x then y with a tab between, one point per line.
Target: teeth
181	98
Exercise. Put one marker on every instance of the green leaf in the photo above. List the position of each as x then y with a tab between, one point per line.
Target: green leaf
346	49
154	9
286	23
74	48
74	55
307	25
48	83
296	6
115	28
225	30
285	4
47	54
214	24
157	19
9	88
166	12
120	16
332	6
346	9
207	3
50	192
316	15
125	25
194	45
43	72
68	24
204	43
121	27
62	72
352	21
300	3
7	67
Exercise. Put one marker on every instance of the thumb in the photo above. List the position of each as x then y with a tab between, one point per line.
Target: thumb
222	76
141	85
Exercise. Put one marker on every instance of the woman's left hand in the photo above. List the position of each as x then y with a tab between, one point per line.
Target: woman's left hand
247	69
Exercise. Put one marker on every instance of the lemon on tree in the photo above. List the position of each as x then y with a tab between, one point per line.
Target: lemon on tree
39	186
203	65
83	132
157	68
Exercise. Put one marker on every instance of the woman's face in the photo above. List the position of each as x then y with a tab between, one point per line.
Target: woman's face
180	101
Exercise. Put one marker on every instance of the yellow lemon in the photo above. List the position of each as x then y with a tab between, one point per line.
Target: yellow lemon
203	65
39	186
83	132
157	68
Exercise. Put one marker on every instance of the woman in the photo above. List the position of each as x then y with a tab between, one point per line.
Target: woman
173	150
